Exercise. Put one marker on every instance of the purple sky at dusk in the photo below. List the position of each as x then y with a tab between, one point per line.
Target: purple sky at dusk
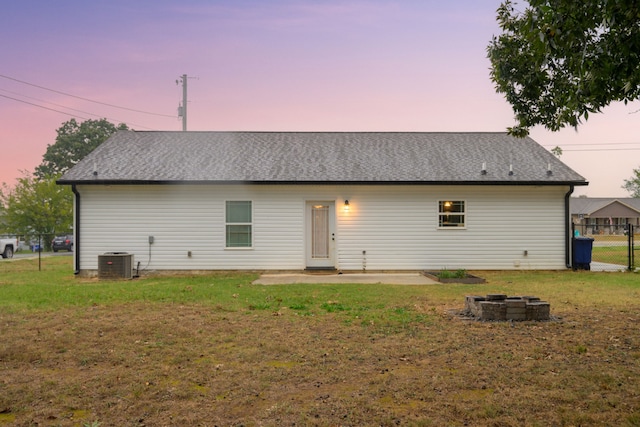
281	65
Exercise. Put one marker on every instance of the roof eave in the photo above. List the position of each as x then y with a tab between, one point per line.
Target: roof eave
324	182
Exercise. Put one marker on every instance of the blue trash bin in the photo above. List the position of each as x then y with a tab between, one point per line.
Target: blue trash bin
582	248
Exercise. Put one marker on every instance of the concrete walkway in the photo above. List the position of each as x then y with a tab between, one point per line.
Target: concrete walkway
365	278
602	266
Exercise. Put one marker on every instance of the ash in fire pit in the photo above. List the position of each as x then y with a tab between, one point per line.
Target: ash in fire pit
502	307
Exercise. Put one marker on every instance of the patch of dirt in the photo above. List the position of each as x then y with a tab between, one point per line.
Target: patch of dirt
466	278
192	365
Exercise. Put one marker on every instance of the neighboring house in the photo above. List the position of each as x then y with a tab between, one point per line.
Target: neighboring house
600	215
348	201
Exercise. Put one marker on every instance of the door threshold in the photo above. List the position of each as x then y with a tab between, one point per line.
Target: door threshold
321	270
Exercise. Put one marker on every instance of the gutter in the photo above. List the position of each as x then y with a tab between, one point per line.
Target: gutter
310	182
567	226
76	243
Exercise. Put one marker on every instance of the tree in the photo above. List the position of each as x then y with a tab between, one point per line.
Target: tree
560	60
632	185
37	206
74	141
3	217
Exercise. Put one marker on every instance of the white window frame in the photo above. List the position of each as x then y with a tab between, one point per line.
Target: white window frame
442	212
228	224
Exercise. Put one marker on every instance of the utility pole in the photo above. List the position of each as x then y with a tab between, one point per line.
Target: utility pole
182	110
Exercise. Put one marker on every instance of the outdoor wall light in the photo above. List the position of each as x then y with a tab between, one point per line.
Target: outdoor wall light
346	205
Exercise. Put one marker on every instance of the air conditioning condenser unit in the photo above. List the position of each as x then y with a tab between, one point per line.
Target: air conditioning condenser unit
115	265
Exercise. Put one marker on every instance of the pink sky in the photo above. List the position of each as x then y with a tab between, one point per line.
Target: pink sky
332	65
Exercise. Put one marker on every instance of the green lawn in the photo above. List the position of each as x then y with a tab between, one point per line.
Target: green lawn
23	287
613	255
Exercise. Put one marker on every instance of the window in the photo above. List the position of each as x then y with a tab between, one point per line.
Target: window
451	213
238	224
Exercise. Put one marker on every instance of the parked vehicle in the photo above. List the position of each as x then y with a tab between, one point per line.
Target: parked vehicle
62	242
23	245
8	247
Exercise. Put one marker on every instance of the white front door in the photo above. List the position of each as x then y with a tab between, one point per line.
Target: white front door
320	236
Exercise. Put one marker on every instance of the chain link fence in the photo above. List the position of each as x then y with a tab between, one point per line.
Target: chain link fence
20	246
614	245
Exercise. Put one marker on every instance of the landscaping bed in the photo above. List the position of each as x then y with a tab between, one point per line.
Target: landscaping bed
458	276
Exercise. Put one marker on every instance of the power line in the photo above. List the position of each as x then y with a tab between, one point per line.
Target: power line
604	149
42	106
52	103
598	143
70	114
608	148
84	99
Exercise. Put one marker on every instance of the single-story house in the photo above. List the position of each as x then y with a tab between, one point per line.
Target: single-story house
346	201
604	215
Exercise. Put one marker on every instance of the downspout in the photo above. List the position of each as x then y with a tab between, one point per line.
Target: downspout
567	226
76	242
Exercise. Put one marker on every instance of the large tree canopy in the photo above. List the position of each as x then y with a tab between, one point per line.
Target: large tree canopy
74	141
557	61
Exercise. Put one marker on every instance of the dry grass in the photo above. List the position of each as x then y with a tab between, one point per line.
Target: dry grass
144	363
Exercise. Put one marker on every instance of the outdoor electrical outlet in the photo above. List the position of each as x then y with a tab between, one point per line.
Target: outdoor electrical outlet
526	252
151	239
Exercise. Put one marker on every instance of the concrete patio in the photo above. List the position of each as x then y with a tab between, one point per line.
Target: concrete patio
365	278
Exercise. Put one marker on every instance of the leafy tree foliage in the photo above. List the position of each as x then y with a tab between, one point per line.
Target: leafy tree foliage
557	61
3	218
37	206
632	185
74	141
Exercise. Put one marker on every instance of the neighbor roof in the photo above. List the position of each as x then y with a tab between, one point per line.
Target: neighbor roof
319	157
590	205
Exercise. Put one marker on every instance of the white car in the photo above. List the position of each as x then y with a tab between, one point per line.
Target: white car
8	247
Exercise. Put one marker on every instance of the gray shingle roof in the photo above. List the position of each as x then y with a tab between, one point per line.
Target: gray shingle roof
346	157
589	205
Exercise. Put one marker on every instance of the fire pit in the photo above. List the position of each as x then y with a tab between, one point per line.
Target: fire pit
503	307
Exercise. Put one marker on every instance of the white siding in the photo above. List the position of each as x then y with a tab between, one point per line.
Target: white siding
397	226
